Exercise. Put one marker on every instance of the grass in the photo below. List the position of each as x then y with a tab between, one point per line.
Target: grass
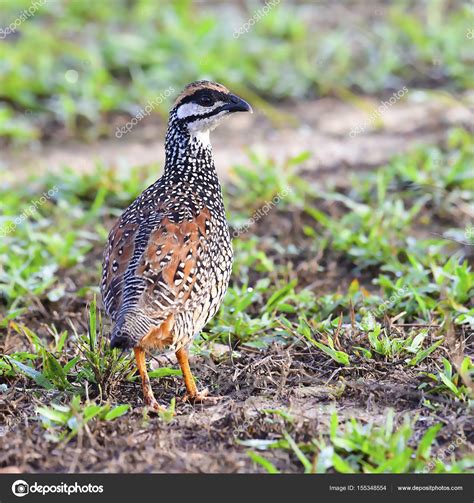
74	365
450	382
372	228
92	65
401	299
64	422
354	447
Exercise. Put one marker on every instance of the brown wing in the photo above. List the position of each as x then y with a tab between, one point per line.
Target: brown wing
169	271
173	265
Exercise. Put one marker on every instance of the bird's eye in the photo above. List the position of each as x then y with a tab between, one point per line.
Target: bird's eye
205	100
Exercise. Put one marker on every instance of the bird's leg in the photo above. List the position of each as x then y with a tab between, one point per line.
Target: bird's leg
150	400
193	395
183	361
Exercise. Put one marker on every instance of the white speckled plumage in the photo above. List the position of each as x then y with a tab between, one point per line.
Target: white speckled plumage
141	288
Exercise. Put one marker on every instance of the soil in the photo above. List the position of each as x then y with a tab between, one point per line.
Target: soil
203	438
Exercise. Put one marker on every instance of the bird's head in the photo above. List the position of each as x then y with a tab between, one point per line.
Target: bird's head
203	104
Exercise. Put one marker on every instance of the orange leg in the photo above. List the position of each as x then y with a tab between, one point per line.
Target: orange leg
192	394
150	400
183	361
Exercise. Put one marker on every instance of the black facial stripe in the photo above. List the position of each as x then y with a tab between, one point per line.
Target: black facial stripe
215	95
191	118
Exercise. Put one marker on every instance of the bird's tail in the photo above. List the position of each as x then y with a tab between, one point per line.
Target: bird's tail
120	339
129	329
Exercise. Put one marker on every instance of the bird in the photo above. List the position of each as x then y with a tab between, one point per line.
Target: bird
168	259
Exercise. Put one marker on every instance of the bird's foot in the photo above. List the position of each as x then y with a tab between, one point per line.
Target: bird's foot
153	406
202	397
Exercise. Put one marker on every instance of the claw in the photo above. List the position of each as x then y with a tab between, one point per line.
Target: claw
153	406
202	397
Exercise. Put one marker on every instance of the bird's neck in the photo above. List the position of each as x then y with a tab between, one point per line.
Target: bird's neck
188	155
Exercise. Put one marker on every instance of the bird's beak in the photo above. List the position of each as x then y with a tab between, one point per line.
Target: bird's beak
237	104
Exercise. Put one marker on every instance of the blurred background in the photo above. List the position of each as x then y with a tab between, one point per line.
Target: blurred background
77	71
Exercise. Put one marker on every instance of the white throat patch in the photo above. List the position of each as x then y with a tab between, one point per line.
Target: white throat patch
202	137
